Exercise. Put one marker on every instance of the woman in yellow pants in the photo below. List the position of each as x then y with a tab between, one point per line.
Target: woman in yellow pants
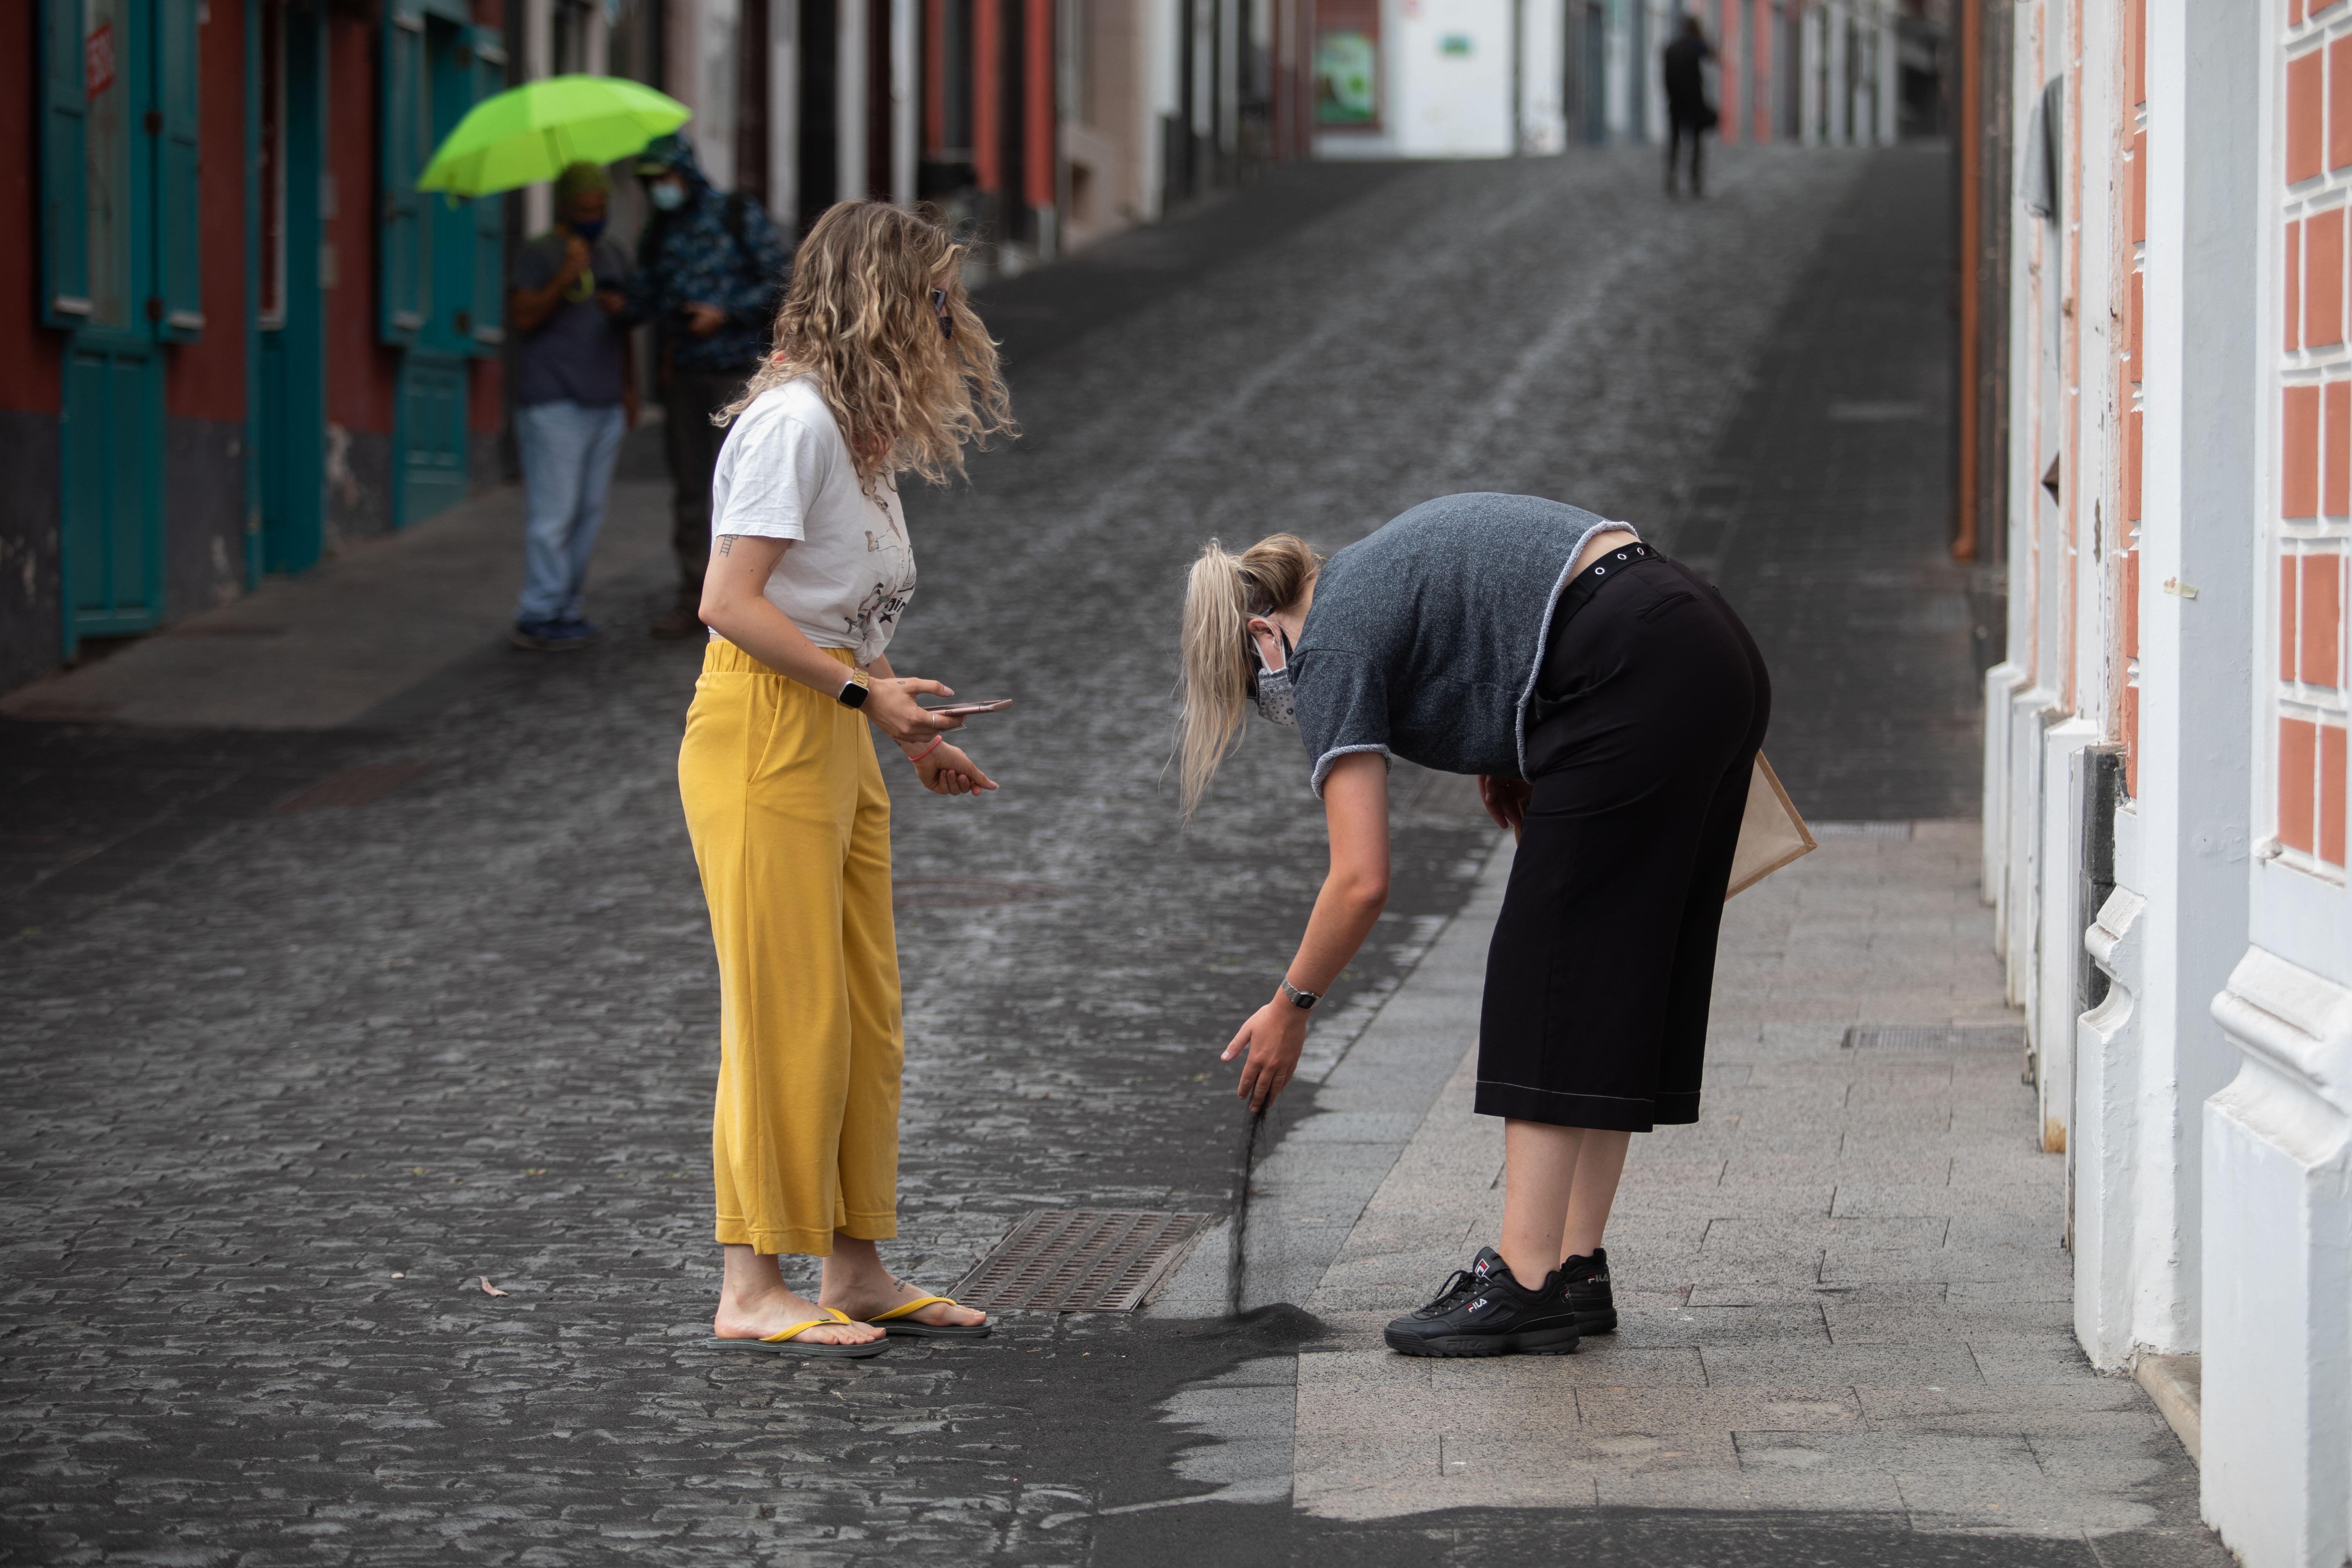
880	368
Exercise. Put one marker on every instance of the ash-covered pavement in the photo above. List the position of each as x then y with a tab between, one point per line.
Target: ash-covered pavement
279	1099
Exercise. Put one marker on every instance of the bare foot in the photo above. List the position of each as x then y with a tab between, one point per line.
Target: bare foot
863	1298
755	1317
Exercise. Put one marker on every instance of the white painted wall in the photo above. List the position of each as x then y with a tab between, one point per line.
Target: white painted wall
1449	74
2208	1104
717	36
906	92
1543	59
1162	77
784	110
2277	1412
849	90
2276	1288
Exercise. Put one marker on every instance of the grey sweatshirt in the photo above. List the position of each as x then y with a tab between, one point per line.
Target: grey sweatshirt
1424	638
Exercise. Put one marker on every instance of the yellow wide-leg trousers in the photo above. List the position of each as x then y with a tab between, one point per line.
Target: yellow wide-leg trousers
791	826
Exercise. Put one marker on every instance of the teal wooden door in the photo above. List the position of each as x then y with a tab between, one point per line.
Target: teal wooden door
119	275
441	261
113	490
432	435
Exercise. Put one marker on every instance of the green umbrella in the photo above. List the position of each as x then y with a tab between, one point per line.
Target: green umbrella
529	133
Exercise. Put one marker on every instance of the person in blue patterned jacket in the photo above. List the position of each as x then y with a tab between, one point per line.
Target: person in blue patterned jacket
711	269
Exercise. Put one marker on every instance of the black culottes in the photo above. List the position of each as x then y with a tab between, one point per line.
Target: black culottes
1652	705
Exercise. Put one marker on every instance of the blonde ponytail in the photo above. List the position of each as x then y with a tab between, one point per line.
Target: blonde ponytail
1222	594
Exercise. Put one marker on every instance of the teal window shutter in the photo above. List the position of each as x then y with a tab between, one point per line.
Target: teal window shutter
489	230
178	315
402	277
65	215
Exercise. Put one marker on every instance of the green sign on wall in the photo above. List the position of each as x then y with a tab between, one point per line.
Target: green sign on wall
1347	64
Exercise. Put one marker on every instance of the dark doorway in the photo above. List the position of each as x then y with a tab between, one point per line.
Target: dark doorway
820	140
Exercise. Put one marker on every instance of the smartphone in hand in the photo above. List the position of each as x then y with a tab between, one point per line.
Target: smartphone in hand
965	710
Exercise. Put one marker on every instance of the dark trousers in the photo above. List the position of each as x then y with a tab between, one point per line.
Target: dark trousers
688	400
1603	961
1682	130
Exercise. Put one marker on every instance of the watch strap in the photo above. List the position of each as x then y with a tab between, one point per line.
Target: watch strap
1302	1000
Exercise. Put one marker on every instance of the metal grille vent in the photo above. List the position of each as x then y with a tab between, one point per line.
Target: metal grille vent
1080	1261
1936	1038
1860	829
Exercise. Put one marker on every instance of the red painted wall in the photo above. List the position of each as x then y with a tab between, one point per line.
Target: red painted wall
206	379
360	372
1038	140
486	395
988	93
30	355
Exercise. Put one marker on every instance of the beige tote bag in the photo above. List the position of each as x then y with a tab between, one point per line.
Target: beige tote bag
1771	834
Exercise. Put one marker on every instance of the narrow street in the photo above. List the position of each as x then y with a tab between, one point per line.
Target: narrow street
288	1088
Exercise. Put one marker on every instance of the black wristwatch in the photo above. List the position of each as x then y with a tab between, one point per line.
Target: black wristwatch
852	692
1302	1000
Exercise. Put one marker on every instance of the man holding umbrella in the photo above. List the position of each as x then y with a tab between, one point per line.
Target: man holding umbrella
574	394
710	271
570	303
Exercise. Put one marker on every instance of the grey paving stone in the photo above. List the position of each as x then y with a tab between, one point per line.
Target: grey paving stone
1821	1364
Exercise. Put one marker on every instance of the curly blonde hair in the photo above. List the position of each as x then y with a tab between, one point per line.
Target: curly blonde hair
858	318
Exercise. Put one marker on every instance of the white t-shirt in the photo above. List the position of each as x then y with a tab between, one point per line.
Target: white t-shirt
786	472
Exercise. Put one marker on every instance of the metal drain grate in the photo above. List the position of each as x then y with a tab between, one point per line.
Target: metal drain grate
1080	1261
1936	1038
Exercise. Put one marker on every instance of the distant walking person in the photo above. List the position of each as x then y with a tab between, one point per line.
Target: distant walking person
880	368
574	394
710	268
1689	116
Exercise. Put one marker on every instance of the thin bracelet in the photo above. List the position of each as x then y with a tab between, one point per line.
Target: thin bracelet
937	741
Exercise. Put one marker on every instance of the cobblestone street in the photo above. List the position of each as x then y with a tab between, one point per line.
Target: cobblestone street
287	1088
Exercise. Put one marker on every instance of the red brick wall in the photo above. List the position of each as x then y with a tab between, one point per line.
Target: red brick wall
2129	376
2313	409
30	355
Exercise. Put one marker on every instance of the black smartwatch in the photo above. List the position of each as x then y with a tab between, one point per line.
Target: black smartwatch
852	692
1302	1000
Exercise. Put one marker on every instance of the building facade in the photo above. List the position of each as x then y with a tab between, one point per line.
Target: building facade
235	338
2165	775
1487	78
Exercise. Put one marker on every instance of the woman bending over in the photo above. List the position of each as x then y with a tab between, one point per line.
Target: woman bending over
1612	705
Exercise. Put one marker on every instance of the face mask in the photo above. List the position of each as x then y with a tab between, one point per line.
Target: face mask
588	229
1276	704
669	195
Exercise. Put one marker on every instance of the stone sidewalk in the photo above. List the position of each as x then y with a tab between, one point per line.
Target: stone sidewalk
1843	1290
325	649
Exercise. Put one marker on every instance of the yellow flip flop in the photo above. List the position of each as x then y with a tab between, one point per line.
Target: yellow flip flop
784	1343
889	1322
